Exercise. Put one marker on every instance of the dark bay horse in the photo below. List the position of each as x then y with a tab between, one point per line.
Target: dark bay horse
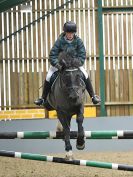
67	98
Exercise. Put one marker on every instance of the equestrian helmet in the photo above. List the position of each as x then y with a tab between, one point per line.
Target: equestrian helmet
70	27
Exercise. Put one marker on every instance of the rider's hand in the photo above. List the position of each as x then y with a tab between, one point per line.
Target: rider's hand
58	66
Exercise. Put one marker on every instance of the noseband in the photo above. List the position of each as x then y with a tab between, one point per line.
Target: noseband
71	70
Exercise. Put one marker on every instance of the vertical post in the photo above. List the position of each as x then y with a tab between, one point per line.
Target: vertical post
65	12
22	42
32	40
4	63
90	37
27	42
9	65
18	44
84	29
42	37
36	27
12	28
51	22
79	18
74	11
46	35
60	19
102	72
94	32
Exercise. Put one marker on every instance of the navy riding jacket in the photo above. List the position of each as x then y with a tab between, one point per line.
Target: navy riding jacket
61	44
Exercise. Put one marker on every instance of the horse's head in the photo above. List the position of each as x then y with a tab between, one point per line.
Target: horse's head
68	60
71	78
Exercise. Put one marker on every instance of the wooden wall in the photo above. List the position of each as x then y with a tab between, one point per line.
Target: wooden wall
24	57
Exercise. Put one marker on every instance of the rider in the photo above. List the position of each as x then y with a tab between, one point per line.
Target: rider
66	41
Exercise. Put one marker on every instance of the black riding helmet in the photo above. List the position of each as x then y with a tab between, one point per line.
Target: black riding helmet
70	27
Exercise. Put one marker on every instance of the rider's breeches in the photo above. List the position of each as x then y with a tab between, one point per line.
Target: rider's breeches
53	69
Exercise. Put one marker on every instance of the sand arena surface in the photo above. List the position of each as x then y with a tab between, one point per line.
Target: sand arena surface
11	167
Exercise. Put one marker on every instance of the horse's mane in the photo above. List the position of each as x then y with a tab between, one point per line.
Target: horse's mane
68	60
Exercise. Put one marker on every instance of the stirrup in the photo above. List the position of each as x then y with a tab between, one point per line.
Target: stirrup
39	102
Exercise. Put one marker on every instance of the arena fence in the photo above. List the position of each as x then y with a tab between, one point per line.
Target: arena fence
27	35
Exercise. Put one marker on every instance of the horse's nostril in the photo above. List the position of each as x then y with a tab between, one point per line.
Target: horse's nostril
73	97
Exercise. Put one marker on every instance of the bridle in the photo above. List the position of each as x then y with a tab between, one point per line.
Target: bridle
69	70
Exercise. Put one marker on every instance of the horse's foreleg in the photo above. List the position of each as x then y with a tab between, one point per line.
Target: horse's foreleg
59	127
80	138
65	122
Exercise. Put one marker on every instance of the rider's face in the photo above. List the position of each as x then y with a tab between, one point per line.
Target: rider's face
69	35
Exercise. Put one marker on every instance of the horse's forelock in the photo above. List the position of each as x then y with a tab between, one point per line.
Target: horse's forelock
69	60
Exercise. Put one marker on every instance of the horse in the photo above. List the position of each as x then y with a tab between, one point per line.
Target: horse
67	98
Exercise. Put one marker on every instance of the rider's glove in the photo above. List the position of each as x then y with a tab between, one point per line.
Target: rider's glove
58	66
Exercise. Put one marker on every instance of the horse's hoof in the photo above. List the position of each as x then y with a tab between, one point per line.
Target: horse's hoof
69	156
80	147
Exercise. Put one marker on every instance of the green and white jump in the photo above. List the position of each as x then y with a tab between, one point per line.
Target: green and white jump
39	157
112	134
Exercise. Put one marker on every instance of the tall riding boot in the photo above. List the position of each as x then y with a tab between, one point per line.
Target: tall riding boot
46	89
95	99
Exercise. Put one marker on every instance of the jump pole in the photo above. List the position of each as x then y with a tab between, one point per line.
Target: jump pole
39	157
112	134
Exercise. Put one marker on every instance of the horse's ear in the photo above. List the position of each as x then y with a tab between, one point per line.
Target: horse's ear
63	63
62	55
